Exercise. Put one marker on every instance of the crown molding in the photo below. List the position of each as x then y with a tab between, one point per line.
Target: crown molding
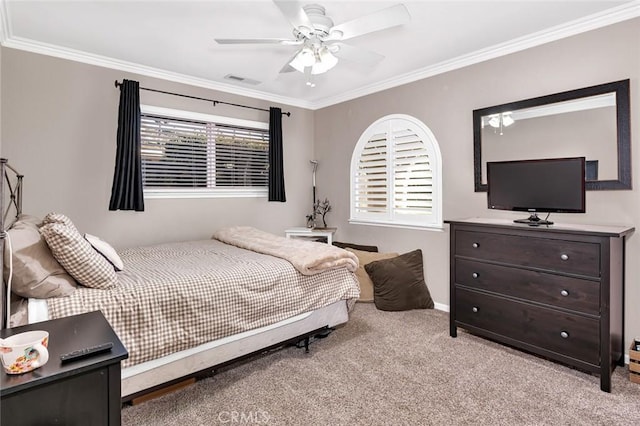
106	62
5	30
611	16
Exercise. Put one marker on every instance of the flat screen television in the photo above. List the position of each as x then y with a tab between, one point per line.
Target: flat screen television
554	185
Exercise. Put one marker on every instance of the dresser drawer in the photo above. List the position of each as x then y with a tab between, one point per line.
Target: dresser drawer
559	255
551	289
574	336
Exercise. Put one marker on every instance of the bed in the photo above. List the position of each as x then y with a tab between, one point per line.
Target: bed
184	308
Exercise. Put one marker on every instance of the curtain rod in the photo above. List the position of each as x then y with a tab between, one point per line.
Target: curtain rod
118	84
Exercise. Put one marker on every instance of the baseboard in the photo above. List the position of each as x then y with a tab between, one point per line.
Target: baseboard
441	307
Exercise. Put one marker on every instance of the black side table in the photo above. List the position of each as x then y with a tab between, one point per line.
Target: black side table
81	392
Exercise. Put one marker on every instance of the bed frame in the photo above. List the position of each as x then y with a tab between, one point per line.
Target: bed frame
202	360
12	181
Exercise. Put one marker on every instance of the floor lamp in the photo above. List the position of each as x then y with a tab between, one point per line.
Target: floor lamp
313	181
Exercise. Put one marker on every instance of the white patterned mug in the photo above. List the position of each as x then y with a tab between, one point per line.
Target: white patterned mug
24	352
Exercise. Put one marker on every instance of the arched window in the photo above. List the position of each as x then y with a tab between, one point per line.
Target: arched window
396	177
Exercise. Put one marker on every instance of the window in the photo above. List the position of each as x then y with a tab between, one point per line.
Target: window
187	154
396	175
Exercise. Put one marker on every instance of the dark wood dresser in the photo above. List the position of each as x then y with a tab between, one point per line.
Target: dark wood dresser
80	392
556	291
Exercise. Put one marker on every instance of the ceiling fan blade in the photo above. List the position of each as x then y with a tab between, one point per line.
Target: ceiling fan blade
283	41
355	54
292	10
376	21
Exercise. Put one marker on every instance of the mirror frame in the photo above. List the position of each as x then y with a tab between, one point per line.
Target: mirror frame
623	129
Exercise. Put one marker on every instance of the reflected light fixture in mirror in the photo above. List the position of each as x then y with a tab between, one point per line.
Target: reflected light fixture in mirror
498	121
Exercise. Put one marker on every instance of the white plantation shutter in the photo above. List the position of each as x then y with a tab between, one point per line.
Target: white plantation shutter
183	156
371	177
412	174
395	175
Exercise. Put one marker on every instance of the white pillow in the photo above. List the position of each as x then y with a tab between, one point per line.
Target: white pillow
105	249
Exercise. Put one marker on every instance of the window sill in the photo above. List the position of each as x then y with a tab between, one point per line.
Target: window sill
426	227
205	193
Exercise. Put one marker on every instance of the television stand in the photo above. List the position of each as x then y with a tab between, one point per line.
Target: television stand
534	220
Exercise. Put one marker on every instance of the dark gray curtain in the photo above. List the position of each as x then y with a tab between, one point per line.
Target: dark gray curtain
276	170
126	191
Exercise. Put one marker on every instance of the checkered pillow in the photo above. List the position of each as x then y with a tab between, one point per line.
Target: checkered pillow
77	256
59	218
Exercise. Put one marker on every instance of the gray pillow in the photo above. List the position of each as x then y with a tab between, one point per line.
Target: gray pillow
398	283
36	273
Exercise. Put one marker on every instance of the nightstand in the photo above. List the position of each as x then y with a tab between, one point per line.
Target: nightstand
313	233
85	391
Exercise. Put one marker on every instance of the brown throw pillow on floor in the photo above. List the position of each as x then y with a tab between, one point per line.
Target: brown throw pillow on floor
398	283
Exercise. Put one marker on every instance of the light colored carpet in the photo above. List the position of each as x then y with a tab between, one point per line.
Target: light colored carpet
397	368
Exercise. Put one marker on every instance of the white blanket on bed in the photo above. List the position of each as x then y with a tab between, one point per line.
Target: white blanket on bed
307	257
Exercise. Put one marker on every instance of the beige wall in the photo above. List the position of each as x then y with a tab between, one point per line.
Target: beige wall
445	103
59	124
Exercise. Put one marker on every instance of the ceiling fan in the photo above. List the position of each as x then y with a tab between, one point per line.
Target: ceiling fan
321	42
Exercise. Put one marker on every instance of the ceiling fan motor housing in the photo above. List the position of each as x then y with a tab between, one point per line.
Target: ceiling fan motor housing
322	24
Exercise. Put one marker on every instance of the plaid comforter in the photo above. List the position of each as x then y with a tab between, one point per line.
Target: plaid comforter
172	297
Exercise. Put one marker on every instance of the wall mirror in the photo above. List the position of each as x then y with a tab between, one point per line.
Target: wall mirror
592	122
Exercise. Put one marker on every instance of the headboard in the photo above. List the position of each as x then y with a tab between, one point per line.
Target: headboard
10	201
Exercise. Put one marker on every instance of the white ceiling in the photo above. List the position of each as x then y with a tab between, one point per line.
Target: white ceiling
174	39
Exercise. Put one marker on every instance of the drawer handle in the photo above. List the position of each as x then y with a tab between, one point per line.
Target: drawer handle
475	275
475	245
564	334
474	309
564	256
565	293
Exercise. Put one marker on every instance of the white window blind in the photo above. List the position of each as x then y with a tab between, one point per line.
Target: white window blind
395	175
189	156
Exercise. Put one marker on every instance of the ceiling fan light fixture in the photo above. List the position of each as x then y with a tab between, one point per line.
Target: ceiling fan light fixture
305	58
324	61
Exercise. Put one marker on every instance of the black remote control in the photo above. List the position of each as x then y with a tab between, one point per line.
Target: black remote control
83	353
